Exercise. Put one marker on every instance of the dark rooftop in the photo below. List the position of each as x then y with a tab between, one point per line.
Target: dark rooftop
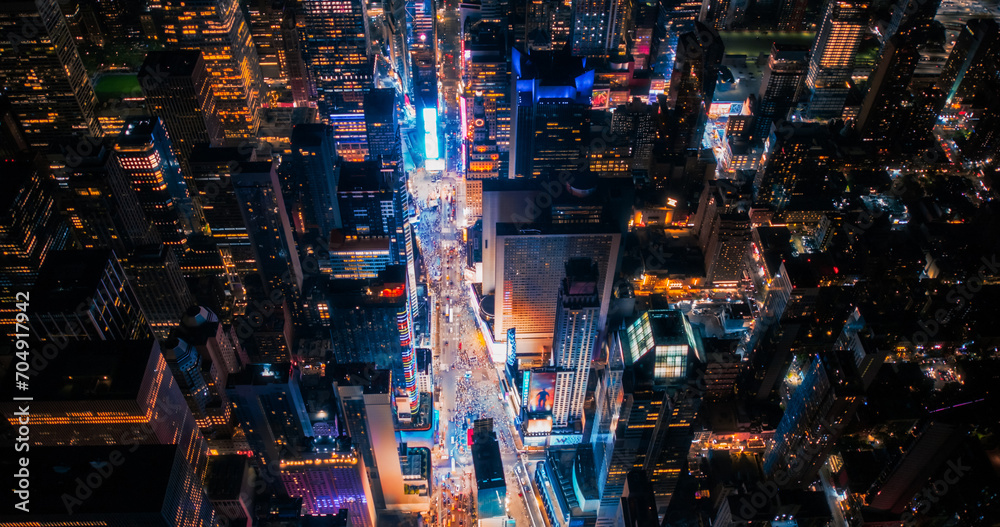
224	478
175	63
489	466
90	370
364	374
59	469
68	278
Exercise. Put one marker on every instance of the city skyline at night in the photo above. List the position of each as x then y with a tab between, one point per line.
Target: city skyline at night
500	263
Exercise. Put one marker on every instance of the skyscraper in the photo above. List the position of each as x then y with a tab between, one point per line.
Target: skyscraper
577	314
726	249
336	52
145	153
45	80
219	29
270	232
100	205
832	59
828	396
172	497
551	117
364	394
268	407
178	89
112	393
212	172
30	227
971	59
382	130
488	76
886	107
159	286
314	178
328	482
692	86
85	295
780	87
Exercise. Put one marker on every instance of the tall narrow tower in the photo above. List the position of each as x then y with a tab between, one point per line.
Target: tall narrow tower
576	331
219	30
832	61
44	78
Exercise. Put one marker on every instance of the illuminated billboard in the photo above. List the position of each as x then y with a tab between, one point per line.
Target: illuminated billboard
541	392
511	347
600	99
541	426
431	150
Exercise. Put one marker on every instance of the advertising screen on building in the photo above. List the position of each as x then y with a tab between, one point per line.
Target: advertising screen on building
431	149
541	392
539	426
511	347
600	99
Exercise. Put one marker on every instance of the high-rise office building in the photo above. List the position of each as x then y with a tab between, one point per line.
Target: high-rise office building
112	393
336	51
591	24
525	253
668	450
268	407
266	218
368	201
578	311
45	79
692	86
163	295
211	176
932	444
172	493
382	130
30	228
329	482
832	58
229	484
100	206
817	412
85	295
145	153
635	122
314	179
809	145
178	89
551	118
266	19
219	29
886	107
488	76
422	38
548	25
971	60
726	249
364	394
659	342
780	87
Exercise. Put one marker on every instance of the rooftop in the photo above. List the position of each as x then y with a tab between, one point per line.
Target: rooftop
91	370
68	279
59	469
